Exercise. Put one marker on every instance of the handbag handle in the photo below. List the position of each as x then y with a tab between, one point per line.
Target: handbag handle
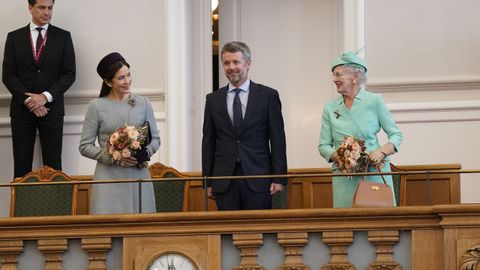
378	170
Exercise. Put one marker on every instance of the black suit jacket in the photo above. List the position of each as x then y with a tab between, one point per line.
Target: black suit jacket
55	71
260	144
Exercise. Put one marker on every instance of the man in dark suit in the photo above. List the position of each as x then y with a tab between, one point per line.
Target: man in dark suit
243	134
38	68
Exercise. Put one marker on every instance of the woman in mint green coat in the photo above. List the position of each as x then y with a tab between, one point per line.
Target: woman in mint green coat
360	114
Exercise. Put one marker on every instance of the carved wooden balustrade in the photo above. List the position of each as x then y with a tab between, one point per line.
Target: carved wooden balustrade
442	236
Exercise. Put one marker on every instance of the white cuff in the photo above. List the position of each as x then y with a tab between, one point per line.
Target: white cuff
48	96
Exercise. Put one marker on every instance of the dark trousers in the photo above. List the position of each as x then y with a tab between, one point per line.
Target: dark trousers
239	196
24	130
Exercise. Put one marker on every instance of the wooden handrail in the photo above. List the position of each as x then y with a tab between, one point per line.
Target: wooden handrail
198	178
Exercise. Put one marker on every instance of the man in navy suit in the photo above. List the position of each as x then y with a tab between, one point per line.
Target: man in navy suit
243	134
38	68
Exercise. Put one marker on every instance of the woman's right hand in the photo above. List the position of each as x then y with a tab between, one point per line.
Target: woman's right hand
128	162
334	157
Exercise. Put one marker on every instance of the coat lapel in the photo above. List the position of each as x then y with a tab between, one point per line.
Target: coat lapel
223	106
351	115
28	43
253	99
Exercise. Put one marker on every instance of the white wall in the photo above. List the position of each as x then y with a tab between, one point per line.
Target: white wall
423	56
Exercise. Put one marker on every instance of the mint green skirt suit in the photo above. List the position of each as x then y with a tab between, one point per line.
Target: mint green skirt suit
364	120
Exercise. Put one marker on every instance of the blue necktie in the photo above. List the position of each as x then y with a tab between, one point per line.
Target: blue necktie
237	110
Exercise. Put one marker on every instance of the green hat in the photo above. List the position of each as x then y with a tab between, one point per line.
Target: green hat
349	58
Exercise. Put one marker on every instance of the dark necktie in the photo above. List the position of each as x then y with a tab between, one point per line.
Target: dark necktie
237	109
39	39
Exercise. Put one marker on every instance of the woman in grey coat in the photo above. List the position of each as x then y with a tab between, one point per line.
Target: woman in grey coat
116	107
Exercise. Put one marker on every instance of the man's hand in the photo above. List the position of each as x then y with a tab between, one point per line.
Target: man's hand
40	111
35	101
275	188
210	193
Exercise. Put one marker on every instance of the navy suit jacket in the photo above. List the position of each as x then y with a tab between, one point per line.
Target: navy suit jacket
54	72
259	145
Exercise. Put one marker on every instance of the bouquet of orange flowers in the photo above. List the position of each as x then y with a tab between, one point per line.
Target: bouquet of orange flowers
125	142
352	156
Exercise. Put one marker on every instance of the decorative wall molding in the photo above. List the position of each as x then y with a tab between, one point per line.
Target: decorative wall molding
80	96
415	112
422	85
433	112
72	124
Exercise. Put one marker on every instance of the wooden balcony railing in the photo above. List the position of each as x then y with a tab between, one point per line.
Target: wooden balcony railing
440	237
309	235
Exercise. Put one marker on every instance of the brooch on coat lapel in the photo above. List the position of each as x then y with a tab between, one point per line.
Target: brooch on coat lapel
337	114
131	101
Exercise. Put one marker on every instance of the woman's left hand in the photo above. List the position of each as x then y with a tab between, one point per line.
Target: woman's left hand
376	157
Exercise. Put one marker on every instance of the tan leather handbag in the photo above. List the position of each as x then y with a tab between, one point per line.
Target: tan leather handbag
373	194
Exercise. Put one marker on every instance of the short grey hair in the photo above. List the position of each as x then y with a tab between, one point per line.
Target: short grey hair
237	46
362	75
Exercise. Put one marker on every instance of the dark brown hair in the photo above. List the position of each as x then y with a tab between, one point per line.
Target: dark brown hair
33	2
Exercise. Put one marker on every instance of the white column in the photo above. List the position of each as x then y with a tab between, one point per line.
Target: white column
188	78
201	70
230	27
176	83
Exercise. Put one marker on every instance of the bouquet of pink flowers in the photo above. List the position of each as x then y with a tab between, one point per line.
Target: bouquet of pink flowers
125	142
352	157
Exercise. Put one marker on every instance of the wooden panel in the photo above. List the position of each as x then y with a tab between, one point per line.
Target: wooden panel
201	251
427	250
196	198
419	191
432	189
83	206
316	192
295	193
323	194
310	192
467	244
450	248
84	191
